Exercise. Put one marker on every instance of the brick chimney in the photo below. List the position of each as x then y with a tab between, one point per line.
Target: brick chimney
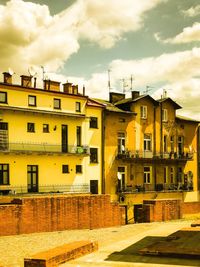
51	85
67	88
135	94
7	77
26	81
75	89
115	97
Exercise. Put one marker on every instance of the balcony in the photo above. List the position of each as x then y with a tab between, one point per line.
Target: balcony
43	148
149	156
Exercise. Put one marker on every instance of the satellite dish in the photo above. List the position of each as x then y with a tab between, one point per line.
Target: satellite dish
32	71
10	71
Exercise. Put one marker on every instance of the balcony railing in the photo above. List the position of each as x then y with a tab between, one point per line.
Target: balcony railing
52	188
43	148
141	154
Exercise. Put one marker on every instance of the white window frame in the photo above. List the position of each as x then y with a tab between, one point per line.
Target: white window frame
164	115
121	175
147	174
147	142
143	112
121	142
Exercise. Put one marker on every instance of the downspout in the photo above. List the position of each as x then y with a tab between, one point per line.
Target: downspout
198	158
161	132
103	150
154	146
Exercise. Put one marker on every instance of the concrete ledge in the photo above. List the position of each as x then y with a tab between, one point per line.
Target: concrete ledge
54	257
195	224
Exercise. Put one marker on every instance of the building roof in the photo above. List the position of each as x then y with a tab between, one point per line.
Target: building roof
130	100
183	118
176	106
111	107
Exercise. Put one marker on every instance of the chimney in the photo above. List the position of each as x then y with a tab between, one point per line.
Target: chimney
135	94
67	88
51	85
26	81
115	97
75	89
7	77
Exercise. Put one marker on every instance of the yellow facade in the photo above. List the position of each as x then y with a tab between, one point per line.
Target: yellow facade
47	140
160	153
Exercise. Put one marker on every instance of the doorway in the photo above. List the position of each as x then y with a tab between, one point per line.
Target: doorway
32	176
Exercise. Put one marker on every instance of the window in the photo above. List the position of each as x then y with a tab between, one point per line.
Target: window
147	142
94	155
165	143
93	122
147	175
78	135
65	168
78	168
3	126
4	174
143	112
164	115
78	107
171	175
3	97
180	145
31	127
172	144
45	128
32	100
121	176
57	103
121	143
165	175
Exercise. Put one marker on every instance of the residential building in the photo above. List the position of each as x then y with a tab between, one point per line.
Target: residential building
149	150
50	139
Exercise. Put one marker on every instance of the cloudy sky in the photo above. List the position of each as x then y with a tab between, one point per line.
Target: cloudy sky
156	42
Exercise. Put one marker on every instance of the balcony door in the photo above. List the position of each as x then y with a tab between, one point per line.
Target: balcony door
64	136
121	175
32	177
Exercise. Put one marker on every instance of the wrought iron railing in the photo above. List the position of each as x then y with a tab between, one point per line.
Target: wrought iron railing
52	188
43	148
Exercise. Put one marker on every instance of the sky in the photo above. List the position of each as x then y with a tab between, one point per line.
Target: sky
153	43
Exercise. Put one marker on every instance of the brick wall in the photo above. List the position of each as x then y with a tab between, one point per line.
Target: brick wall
191	207
57	213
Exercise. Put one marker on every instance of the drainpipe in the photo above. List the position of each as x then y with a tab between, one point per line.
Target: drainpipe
103	150
161	131
154	145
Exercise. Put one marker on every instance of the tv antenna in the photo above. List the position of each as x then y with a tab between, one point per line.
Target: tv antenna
32	71
131	80
124	84
148	89
43	72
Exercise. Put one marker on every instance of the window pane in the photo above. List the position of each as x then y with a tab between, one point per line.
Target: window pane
93	122
32	100
93	155
45	128
78	106
3	97
57	103
65	168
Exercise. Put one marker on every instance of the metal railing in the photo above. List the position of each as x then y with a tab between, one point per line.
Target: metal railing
52	188
43	148
142	154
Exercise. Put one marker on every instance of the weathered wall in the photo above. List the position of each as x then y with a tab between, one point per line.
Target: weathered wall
57	213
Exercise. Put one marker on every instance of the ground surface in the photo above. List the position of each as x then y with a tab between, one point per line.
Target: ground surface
118	246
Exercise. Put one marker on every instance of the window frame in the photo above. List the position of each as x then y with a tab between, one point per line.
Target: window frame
78	135
165	175
65	168
78	106
57	100
35	101
93	155
164	115
79	170
147	142
147	175
121	142
45	130
94	122
5	96
2	171
143	112
29	124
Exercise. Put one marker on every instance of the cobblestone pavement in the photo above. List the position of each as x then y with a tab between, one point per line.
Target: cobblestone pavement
115	244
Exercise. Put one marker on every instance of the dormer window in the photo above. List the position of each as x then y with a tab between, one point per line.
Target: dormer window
143	112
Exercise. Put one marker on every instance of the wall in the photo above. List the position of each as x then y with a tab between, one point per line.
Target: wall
57	213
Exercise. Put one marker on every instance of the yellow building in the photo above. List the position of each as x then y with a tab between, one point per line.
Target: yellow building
149	151
50	139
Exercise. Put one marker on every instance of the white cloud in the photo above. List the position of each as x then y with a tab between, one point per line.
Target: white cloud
189	34
29	35
192	12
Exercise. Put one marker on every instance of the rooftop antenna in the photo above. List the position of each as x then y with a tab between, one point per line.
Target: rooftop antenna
131	79
109	84
124	84
32	71
43	72
148	89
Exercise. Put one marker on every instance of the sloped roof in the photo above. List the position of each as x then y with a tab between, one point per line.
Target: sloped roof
178	117
111	107
176	106
130	100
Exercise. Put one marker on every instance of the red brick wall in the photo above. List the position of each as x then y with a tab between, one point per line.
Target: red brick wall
191	207
56	213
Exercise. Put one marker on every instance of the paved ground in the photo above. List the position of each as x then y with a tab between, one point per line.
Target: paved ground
117	246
